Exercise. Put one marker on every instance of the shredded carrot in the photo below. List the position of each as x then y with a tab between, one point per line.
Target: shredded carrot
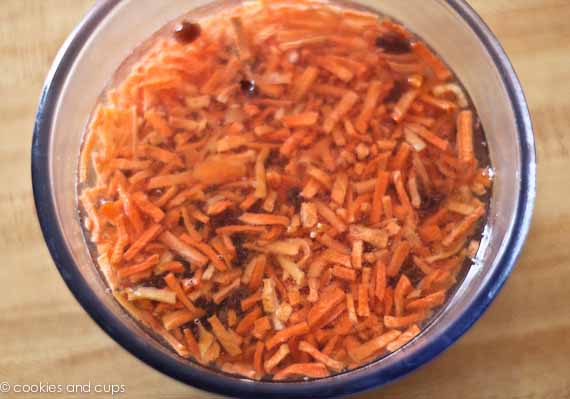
319	190
403	321
430	137
313	370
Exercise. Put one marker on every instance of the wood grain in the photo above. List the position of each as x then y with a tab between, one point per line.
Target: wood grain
519	349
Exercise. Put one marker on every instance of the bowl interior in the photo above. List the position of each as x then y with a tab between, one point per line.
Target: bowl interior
111	32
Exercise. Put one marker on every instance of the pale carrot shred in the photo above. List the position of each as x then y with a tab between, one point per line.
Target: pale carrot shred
403	321
430	137
277	358
189	253
264	219
261	180
465	135
402	193
313	370
403	288
403	339
339	188
286	163
427	302
331	217
344	273
320	356
174	284
463	226
403	105
206	250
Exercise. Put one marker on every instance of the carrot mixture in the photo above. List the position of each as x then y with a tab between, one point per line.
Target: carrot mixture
284	191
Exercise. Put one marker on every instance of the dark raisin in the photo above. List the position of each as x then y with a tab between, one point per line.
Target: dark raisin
430	203
248	87
187	274
368	247
229	216
393	43
207	305
396	92
192	326
156	282
233	301
241	252
274	159
184	262
412	272
186	32
294	197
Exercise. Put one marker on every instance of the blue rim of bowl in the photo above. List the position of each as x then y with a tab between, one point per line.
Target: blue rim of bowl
199	377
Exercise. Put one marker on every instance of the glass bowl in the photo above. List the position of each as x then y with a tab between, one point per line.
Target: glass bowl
108	35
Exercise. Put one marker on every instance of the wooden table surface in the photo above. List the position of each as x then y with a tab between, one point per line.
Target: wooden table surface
519	349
